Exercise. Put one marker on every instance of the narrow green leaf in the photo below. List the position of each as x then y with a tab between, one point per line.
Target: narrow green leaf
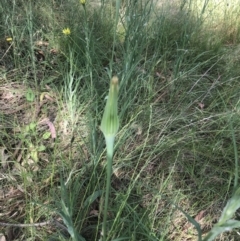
232	205
92	198
226	227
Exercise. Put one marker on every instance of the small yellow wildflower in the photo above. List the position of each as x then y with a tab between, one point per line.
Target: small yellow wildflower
66	31
9	39
83	2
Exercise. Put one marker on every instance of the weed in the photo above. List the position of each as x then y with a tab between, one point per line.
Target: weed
175	173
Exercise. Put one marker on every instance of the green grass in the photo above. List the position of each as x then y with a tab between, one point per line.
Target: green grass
176	153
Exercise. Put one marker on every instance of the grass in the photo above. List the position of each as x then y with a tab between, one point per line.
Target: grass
175	166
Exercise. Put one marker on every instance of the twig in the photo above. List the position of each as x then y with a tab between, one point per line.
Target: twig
6	51
26	225
50	222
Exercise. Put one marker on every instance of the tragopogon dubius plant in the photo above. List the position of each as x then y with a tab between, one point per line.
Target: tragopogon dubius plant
109	127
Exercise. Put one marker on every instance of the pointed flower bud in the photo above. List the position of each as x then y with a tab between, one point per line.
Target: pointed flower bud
83	2
110	121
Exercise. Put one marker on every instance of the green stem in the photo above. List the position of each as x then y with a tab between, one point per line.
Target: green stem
118	5
109	142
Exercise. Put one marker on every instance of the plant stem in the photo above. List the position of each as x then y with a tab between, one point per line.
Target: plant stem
109	174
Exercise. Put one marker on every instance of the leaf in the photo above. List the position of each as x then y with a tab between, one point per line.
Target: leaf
41	148
46	135
92	198
30	96
232	205
32	126
192	221
122	238
226	227
34	155
33	152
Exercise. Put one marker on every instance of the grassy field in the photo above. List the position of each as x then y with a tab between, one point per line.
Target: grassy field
175	166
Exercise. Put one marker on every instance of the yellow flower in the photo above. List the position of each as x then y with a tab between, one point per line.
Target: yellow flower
66	31
83	2
9	39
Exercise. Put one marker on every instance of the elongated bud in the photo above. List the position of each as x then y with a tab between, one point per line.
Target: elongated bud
110	121
83	2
